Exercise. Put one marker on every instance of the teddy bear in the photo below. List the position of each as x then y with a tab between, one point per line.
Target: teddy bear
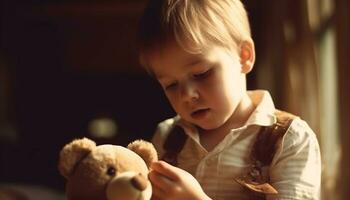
107	172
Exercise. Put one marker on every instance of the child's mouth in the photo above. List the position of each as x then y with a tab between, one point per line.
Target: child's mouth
198	114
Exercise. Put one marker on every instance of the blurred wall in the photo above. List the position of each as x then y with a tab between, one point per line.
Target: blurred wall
67	64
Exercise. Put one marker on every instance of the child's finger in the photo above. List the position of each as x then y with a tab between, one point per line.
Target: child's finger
166	170
160	181
157	193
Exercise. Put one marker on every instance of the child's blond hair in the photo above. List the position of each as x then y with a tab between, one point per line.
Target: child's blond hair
196	25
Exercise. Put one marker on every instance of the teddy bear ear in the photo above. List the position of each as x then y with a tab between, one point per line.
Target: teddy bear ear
72	153
145	150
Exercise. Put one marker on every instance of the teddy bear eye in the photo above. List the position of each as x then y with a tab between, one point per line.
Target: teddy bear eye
111	171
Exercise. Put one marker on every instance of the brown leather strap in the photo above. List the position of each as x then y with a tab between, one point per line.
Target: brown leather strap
173	144
268	139
263	151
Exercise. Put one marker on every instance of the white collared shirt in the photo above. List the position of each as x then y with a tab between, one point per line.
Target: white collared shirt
295	170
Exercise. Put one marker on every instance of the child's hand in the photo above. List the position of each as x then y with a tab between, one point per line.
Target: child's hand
170	182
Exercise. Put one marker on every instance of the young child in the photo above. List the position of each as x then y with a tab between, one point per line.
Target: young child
200	51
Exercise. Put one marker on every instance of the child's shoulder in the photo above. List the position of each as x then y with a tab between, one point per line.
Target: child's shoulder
299	137
299	130
166	125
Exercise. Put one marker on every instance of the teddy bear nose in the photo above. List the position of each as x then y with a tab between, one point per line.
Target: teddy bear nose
139	182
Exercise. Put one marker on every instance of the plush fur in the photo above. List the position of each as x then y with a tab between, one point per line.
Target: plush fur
107	172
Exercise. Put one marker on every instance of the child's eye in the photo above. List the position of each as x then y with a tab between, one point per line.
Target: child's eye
170	86
202	74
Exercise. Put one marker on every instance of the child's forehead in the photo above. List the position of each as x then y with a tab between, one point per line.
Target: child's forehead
172	55
174	59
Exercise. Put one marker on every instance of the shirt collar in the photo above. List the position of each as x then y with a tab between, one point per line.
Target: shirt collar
264	113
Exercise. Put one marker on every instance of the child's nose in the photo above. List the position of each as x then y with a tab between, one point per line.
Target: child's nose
189	93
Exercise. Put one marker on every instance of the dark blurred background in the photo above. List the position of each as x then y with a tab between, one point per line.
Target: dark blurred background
69	69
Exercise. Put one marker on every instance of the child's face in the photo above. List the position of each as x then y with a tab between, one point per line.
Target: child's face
203	89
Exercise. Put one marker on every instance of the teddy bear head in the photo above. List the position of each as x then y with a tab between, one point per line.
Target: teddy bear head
107	172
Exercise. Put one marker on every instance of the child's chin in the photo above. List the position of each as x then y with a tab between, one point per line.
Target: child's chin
207	126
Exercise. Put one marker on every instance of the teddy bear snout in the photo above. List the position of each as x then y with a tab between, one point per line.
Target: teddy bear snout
129	186
139	182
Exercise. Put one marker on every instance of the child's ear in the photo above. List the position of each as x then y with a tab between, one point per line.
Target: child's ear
247	56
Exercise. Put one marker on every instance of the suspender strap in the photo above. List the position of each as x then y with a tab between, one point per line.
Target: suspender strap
269	137
267	142
174	144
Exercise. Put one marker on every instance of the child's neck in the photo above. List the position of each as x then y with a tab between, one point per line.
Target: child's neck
210	138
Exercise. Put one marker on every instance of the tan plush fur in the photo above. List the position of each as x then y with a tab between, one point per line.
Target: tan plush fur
145	150
72	153
105	172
